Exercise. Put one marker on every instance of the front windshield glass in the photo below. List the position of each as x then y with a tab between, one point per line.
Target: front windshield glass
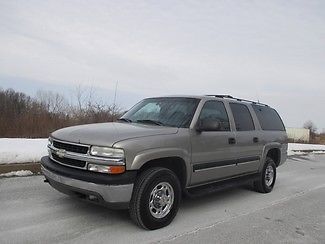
166	111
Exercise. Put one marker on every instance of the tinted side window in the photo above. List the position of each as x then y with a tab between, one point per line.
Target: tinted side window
268	117
242	116
216	110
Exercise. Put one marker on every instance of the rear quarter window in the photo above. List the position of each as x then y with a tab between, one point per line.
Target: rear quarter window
268	117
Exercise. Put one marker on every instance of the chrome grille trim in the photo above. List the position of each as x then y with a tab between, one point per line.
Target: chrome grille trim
67	165
71	147
73	143
87	158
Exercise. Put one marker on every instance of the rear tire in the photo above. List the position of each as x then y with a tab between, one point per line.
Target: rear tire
155	199
267	177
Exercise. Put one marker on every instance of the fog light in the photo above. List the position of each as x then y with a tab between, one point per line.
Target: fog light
109	169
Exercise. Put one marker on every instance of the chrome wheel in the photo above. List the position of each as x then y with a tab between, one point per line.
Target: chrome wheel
269	175
161	200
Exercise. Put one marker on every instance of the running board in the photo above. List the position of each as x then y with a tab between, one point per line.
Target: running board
202	190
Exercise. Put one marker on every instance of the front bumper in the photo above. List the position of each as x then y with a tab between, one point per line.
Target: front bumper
113	191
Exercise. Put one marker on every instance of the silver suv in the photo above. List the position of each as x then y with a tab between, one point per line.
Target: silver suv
165	148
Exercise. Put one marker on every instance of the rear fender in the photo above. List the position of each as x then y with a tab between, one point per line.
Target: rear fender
266	149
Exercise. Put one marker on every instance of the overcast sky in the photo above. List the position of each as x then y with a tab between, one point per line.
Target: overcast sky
273	51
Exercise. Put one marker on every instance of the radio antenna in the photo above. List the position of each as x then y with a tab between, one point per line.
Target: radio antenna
114	103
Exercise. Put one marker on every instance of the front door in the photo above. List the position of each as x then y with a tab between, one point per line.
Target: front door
213	152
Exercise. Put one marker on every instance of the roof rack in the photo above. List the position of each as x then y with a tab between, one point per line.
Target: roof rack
221	96
238	99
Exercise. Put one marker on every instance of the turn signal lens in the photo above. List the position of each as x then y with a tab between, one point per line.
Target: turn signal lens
119	169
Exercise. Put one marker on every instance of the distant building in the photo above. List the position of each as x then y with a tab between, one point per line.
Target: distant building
298	134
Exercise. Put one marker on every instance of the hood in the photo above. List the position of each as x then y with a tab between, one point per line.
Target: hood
107	134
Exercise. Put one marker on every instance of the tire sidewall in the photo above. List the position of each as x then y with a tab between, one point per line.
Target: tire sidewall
149	221
270	162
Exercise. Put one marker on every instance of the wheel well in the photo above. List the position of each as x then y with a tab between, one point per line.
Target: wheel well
175	164
275	154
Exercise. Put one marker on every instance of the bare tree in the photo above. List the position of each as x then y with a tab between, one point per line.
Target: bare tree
25	116
52	102
79	94
312	128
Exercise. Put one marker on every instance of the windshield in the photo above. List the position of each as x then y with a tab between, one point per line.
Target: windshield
166	111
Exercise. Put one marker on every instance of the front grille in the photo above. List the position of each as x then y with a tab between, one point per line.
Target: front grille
69	161
70	147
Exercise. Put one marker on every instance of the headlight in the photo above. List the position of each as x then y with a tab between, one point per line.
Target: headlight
50	141
107	152
49	144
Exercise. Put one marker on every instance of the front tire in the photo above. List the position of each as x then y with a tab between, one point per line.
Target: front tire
266	180
155	199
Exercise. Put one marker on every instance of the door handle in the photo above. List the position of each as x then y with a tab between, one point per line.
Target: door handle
231	140
255	139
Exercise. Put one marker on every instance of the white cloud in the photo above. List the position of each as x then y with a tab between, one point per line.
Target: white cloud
270	50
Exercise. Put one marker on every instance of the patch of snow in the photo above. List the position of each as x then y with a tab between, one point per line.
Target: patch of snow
21	150
299	148
291	153
17	173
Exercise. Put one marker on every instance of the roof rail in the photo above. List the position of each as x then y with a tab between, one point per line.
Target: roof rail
238	99
221	96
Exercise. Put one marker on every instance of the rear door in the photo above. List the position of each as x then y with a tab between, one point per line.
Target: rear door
248	141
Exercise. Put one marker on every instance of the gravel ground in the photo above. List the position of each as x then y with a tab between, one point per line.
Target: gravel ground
32	212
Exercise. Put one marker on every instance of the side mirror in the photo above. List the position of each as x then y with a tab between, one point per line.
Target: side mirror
208	125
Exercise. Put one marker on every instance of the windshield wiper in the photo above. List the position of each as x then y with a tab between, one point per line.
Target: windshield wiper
125	120
149	121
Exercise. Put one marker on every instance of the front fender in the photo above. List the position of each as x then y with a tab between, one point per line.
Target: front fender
158	153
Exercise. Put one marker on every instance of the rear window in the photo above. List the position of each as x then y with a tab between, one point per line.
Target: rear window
268	117
242	116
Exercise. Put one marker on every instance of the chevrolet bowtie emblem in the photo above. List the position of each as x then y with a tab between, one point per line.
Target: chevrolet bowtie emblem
61	153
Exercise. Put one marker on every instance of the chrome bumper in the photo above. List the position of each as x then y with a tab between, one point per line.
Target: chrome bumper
111	194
